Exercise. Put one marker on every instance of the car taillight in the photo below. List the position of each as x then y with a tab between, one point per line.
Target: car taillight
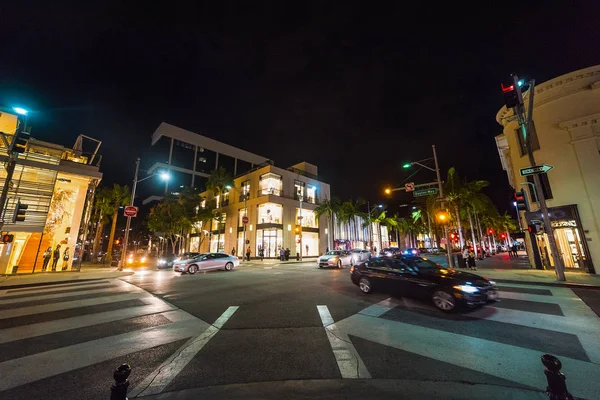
352	269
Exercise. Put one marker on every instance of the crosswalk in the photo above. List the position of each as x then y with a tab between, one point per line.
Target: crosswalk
504	340
50	330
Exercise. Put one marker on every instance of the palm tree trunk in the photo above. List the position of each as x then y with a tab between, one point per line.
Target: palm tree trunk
460	232
96	247
472	232
508	238
331	232
481	240
111	238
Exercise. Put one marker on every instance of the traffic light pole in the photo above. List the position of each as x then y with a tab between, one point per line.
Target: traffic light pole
10	170
443	205
526	127
127	226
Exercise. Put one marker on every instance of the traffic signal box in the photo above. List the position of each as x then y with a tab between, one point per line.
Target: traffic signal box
521	199
20	211
7	238
511	90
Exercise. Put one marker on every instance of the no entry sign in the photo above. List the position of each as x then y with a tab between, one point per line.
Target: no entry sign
130	211
245	219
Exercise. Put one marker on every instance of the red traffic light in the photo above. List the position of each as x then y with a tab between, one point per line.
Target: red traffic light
503	236
452	235
6	238
490	231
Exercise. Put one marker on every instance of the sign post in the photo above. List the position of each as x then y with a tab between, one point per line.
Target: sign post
535	170
130	211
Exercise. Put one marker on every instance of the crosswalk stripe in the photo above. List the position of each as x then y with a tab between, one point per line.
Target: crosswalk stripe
158	380
32	368
7	289
45	328
377	310
114	289
349	362
19	312
61	291
482	355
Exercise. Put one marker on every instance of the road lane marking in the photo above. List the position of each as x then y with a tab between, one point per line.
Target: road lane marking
158	380
377	310
350	364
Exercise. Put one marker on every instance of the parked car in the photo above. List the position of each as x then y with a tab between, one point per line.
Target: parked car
389	251
421	278
360	255
411	251
205	262
336	258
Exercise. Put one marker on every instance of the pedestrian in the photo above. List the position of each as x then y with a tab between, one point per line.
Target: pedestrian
233	251
47	256
261	253
65	259
514	251
287	254
471	260
281	254
55	257
248	252
306	250
327	249
465	255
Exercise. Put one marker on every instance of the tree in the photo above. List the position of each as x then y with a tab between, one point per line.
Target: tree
117	196
169	216
330	208
218	180
507	224
100	213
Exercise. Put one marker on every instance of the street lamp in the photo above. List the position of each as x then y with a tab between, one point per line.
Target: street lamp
370	223
164	175
245	195
20	110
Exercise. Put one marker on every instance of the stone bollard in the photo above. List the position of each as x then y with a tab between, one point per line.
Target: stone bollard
557	384
118	391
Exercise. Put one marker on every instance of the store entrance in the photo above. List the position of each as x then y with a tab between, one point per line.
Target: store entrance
569	246
270	240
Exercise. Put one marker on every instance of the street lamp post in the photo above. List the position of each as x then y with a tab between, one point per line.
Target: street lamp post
371	224
245	195
300	198
164	176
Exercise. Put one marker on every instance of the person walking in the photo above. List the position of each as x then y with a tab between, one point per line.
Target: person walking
465	255
248	252
261	253
47	256
55	257
65	259
281	254
471	260
233	251
287	254
514	251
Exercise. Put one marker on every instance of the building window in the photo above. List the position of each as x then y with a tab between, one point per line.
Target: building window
535	144
245	190
270	213
271	183
545	186
299	190
218	223
217	201
183	155
311	194
309	219
225	201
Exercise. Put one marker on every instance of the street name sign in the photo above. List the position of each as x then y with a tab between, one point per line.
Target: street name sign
409	187
536	169
425	192
130	211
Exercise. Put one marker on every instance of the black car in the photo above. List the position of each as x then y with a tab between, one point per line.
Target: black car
419	277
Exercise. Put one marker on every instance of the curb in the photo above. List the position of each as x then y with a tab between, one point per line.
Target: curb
567	285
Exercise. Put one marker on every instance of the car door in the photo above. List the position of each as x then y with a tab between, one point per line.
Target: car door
205	261
398	277
378	273
220	260
419	283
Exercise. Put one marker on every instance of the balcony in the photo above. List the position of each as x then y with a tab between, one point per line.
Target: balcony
274	192
306	199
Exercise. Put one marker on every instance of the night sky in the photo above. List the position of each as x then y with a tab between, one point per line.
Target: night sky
355	88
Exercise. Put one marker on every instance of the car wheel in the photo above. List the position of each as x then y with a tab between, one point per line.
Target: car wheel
228	266
192	269
364	285
443	300
339	264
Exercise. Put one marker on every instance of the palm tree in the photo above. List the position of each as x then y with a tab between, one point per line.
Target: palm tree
507	224
329	208
218	180
100	213
118	196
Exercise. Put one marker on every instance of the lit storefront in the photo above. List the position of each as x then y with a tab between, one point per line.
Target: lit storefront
217	237
269	229
570	238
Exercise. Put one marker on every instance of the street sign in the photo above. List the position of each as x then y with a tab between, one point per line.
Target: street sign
409	187
245	219
536	169
130	211
438	200
425	192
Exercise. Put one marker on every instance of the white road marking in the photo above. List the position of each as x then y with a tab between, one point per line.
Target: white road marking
9	300
350	364
41	288
158	380
377	310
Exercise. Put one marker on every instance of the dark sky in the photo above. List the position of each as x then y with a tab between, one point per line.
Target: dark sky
356	88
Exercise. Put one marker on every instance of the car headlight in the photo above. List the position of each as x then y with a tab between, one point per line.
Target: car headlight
466	288
493	283
130	261
162	261
143	259
414	252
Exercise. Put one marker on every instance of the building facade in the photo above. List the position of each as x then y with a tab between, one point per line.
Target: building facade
274	201
57	184
189	158
566	136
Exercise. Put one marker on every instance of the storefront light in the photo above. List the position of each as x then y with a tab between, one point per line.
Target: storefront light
289	227
326	231
250	227
230	230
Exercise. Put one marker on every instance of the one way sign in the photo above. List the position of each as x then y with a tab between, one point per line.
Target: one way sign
536	169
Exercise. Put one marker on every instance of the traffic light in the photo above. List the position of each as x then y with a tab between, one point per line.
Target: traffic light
452	235
297	229
7	238
534	228
511	88
20	211
442	217
19	142
491	231
503	236
521	200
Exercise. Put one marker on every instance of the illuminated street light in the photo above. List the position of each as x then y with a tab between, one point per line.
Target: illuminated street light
388	191
164	176
20	110
407	165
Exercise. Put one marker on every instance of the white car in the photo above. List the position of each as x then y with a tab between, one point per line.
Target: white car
336	258
206	262
360	255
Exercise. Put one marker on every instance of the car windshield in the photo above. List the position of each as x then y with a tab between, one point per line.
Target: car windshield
334	253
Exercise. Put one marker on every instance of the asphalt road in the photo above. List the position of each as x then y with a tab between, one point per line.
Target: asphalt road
268	324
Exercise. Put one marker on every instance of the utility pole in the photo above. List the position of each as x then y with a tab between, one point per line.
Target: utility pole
443	205
127	226
300	224
526	128
12	163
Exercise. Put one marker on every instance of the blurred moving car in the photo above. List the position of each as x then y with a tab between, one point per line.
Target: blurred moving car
411	251
336	258
360	255
421	278
166	261
206	262
136	259
390	251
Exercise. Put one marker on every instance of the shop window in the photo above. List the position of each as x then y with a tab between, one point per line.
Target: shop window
299	190
245	190
545	186
311	194
241	213
309	218
535	144
271	183
218	223
270	213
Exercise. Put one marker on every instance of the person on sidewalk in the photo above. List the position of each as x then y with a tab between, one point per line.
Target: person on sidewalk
233	252
514	251
65	259
47	256
286	254
261	253
465	255
471	260
55	257
281	254
248	252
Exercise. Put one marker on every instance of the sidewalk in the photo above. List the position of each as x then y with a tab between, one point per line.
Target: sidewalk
502	268
48	278
338	389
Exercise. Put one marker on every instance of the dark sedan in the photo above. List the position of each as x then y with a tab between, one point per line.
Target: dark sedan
421	278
